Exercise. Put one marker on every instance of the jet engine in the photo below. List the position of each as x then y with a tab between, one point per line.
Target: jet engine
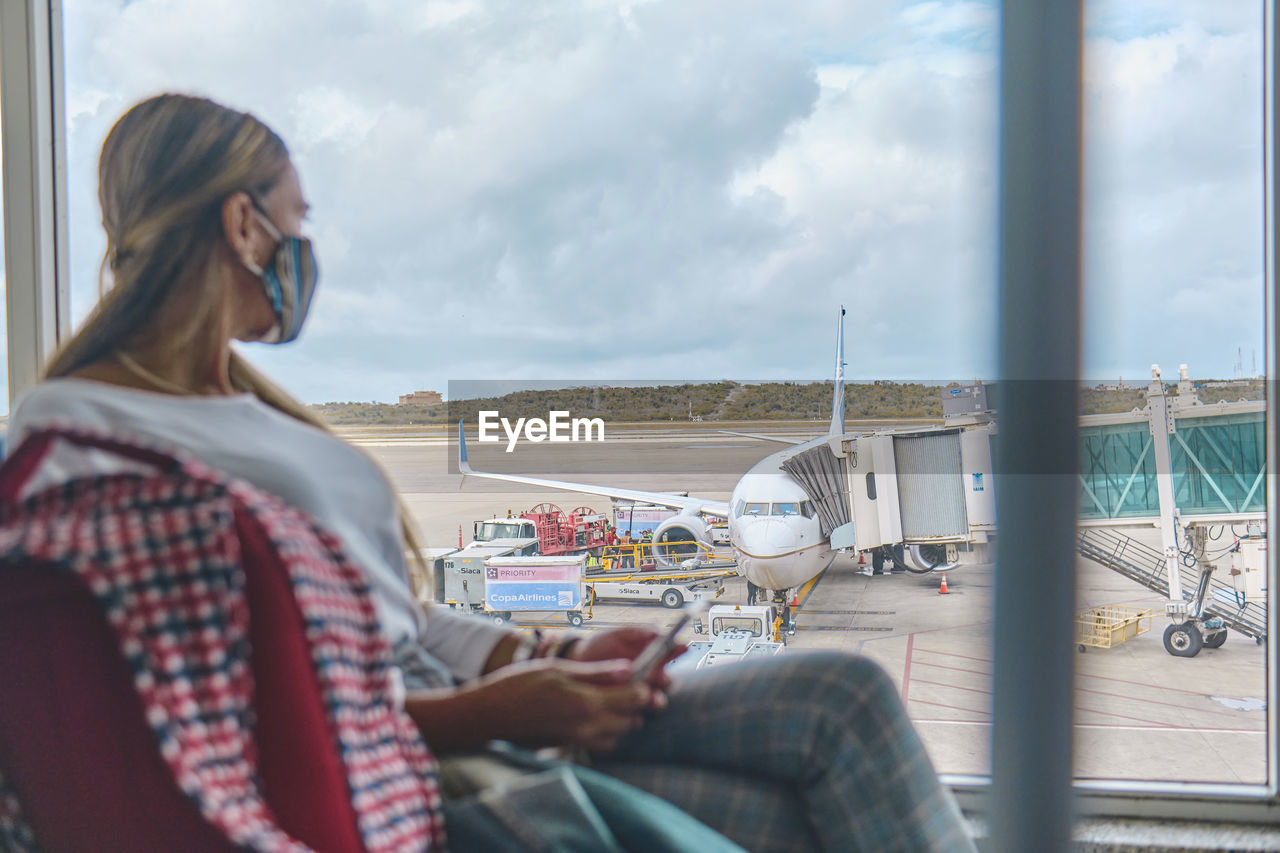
678	538
928	558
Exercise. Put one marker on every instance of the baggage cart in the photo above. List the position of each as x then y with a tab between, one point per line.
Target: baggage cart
534	584
1110	625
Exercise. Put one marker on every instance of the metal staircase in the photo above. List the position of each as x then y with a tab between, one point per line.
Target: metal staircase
1146	565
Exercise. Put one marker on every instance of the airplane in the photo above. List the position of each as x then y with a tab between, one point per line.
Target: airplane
774	529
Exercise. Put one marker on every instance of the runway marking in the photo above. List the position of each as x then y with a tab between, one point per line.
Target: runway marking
955	655
1233	715
1099	726
953	686
851	612
906	670
953	668
1214	711
951	707
590	624
1153	724
1082	674
808	588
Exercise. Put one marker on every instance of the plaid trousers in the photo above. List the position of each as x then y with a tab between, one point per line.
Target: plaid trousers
800	751
803	751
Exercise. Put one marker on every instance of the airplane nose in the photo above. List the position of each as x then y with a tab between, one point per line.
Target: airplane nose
766	538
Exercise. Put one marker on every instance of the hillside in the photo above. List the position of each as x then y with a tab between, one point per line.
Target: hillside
733	401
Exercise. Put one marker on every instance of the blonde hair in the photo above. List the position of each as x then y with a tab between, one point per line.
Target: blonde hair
166	168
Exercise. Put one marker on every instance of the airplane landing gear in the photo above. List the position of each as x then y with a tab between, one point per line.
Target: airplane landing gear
786	625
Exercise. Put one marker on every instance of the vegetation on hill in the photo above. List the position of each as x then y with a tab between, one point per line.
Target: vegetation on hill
732	401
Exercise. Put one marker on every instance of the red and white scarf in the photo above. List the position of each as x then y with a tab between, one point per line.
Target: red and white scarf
156	544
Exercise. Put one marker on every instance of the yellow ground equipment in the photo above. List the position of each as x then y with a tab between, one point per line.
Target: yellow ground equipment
1111	625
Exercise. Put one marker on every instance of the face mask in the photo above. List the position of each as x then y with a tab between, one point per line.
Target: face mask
290	281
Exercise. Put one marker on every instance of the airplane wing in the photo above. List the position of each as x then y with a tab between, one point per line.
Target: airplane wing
776	438
680	502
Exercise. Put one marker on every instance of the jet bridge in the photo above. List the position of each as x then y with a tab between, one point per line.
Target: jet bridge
928	489
1187	468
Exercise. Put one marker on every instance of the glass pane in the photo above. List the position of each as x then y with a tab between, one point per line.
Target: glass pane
637	194
1174	276
4	323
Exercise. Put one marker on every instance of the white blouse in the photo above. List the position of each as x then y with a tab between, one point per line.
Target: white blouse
321	474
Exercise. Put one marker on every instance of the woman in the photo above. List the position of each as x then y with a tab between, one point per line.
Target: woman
203	212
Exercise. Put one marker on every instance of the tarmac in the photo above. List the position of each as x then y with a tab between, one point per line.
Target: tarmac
1139	712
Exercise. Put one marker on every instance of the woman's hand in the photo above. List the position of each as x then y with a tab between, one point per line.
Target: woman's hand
545	702
627	644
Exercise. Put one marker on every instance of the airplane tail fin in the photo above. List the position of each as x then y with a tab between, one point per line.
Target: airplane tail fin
837	395
464	466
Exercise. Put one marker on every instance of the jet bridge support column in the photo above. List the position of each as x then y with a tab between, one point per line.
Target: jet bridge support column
1162	423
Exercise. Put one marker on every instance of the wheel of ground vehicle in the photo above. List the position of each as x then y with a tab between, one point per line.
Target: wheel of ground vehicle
575	618
1216	641
499	618
672	598
1082	647
1184	641
877	560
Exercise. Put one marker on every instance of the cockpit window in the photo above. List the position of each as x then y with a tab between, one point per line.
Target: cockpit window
756	509
807	510
788	508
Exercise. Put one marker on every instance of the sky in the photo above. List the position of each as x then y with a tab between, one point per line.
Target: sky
688	189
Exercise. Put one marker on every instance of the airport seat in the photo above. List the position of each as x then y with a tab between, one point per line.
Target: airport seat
75	746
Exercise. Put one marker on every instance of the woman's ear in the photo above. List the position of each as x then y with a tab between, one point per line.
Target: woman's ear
237	227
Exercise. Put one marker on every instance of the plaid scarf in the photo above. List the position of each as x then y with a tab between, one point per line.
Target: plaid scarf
160	553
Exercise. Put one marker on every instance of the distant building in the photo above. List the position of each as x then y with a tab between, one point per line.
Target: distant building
421	398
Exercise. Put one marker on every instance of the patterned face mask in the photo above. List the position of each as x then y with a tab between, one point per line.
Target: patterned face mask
289	280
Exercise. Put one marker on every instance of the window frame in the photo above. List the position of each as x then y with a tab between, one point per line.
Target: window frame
32	112
32	120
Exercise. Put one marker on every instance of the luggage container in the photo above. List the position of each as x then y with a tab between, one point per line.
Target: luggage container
534	584
464	582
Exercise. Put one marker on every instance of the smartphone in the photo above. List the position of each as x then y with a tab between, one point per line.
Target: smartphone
656	652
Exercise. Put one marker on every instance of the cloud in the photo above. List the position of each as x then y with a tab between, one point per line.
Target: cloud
522	189
1173	240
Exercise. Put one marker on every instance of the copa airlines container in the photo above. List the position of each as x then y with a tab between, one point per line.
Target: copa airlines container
524	584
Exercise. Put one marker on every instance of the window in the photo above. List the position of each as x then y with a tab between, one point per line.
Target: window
35	213
736	623
789	508
1172	133
4	360
495	530
1173	274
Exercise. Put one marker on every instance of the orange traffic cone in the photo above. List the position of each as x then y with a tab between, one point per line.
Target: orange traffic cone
862	558
459	535
942	590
